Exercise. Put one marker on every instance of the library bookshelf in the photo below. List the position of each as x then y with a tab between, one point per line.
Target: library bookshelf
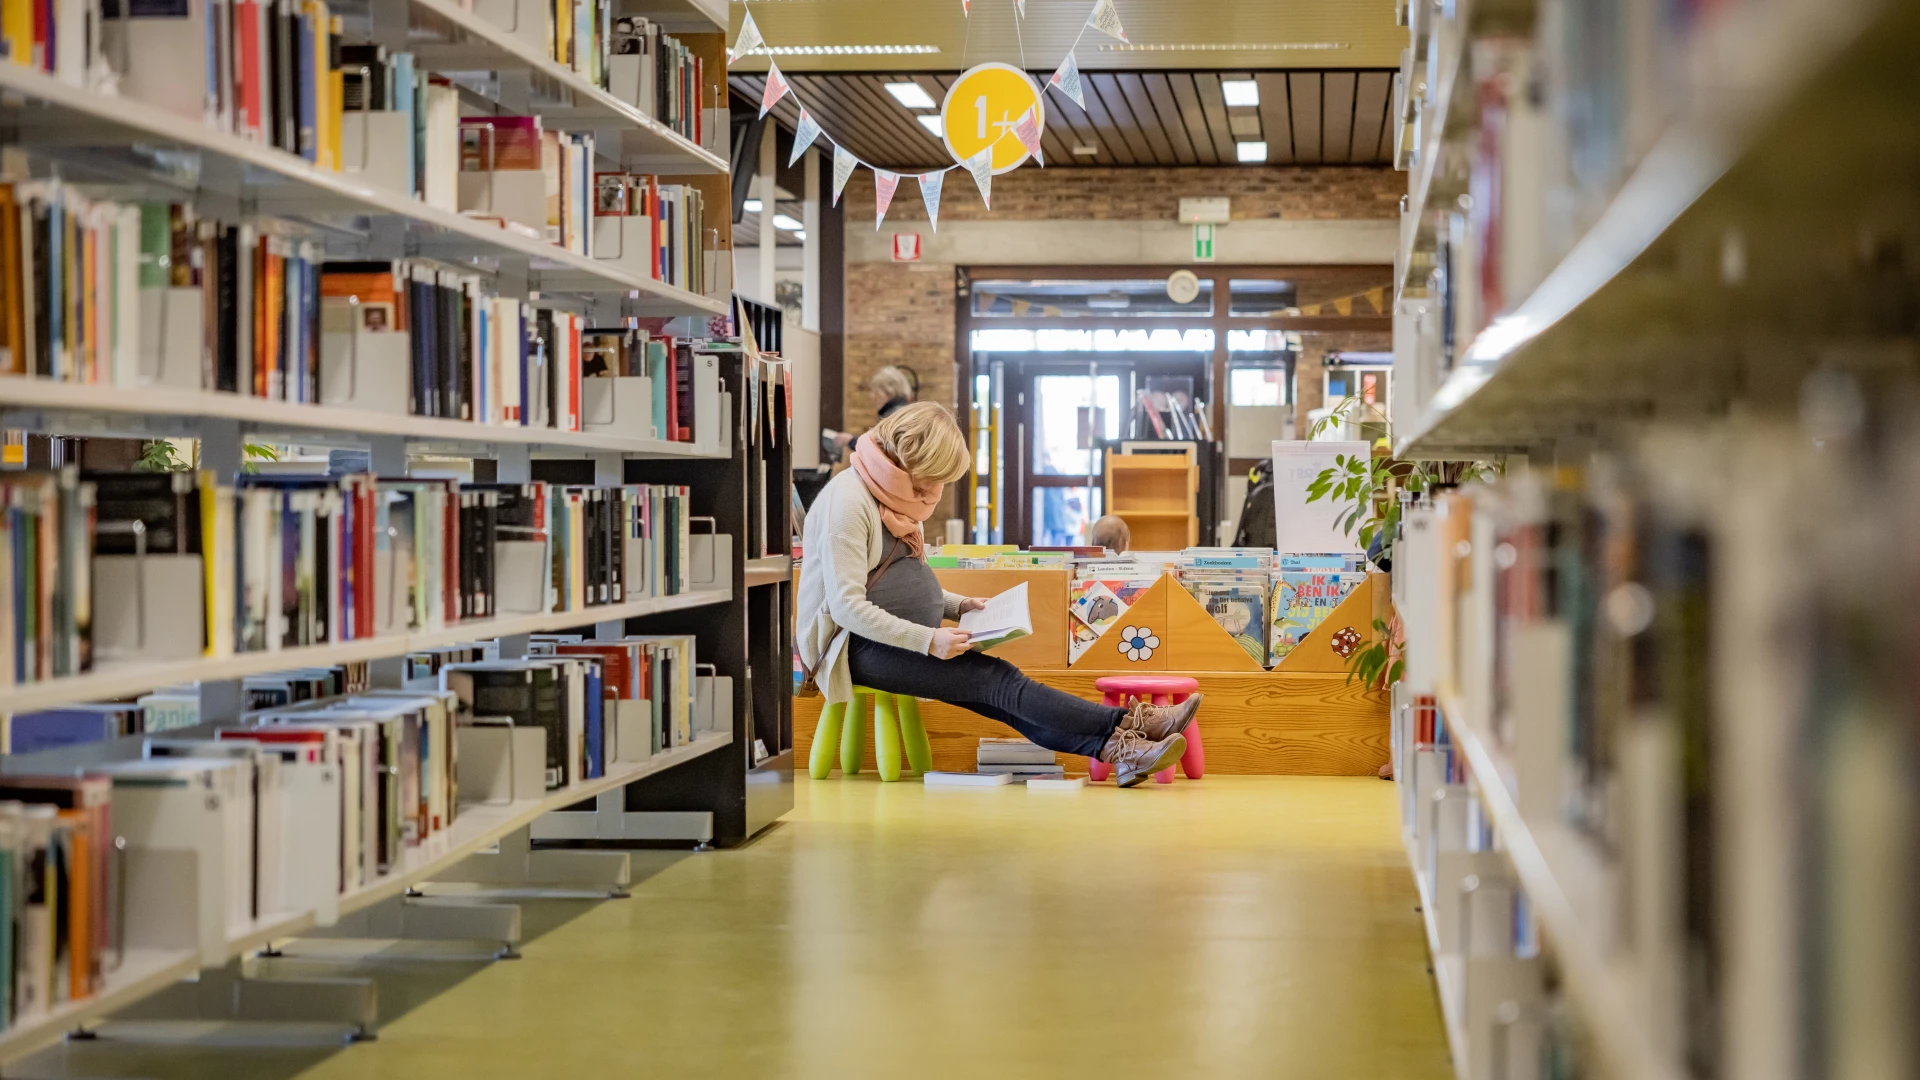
1609	751
720	787
1155	493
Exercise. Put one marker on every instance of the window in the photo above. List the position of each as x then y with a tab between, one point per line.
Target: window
1257	386
1085	299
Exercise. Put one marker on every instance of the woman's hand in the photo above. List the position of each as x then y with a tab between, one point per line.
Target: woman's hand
948	643
972	603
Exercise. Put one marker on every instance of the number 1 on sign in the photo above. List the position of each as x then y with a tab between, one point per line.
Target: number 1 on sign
980	110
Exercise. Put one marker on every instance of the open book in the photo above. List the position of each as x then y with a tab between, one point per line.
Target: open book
1005	617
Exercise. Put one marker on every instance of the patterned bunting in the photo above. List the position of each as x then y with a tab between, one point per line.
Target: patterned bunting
1344	305
981	166
1028	132
843	164
930	184
776	89
1067	78
884	184
748	41
803	135
1106	20
1021	7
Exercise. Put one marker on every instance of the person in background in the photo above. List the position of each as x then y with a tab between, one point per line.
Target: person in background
870	610
1111	532
1256	513
890	389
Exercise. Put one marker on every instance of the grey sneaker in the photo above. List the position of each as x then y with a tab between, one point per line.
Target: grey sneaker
1135	757
1157	722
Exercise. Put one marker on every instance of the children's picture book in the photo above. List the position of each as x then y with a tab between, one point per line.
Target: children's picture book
1006	617
1302	599
1239	605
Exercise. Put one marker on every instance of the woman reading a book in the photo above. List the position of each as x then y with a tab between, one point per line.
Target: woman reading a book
870	609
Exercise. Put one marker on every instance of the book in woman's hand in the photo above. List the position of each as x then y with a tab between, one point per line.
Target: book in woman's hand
1006	616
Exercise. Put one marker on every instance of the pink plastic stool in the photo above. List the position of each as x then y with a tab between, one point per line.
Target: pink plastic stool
1160	690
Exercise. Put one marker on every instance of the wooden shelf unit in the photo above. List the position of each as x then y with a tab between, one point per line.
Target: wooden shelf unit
1157	495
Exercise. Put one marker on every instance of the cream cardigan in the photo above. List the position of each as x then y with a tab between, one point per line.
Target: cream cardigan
844	541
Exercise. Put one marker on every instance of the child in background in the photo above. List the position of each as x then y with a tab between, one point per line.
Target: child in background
1110	532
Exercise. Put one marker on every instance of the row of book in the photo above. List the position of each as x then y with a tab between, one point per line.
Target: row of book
669	234
306	799
125	567
1268	602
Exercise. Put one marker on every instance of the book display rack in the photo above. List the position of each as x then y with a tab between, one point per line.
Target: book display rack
593	614
1654	739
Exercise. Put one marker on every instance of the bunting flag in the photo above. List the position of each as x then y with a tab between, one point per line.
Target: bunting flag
1106	20
1344	305
981	166
966	7
843	164
1310	309
803	135
1028	132
748	41
884	184
1067	78
1020	308
930	184
1050	311
1021	7
776	89
1378	298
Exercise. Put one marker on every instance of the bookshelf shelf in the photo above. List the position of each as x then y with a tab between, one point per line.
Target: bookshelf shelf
769	570
137	678
145	971
1557	868
113	139
470	42
1446	972
1645	274
91	409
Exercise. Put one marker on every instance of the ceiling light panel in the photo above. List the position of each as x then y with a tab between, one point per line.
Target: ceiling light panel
751	206
1240	91
1245	46
931	121
792	224
1251	151
910	95
844	50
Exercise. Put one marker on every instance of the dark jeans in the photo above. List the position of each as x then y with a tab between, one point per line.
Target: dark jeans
991	687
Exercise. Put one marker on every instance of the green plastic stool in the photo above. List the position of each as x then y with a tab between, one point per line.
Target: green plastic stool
894	716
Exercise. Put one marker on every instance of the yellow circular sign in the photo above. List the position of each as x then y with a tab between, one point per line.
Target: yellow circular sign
981	109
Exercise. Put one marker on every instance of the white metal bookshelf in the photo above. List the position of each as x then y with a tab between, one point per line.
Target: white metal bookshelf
470	42
132	678
48	113
93	409
1766	71
145	971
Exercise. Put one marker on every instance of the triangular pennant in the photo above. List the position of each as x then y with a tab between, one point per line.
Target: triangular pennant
884	184
1106	20
1344	305
1310	309
1050	311
966	7
1021	7
748	40
776	89
1027	130
843	164
1067	78
930	184
1020	308
804	134
1377	296
981	166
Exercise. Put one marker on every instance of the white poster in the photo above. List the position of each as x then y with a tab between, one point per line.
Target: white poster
1299	526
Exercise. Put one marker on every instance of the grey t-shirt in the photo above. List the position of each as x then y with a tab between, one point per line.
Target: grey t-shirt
907	588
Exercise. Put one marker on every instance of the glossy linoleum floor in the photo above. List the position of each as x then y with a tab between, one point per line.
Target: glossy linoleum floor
1234	927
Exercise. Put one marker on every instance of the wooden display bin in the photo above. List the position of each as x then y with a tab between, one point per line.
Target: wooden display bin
1303	718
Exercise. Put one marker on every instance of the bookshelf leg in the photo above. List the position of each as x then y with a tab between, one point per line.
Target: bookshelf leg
914	733
886	736
853	736
826	741
518	869
236	1003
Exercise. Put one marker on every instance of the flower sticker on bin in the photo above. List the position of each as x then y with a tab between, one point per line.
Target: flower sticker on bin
1138	642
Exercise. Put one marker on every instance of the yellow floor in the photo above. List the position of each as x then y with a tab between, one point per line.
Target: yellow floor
1238	927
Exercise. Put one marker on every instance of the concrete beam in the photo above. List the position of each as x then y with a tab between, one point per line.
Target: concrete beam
1120	243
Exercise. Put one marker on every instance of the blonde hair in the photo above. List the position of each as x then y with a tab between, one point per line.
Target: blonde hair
923	439
1112	532
892	382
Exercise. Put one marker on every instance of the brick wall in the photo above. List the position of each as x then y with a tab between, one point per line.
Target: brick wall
904	313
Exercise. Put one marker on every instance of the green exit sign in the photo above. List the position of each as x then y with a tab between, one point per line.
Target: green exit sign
1203	243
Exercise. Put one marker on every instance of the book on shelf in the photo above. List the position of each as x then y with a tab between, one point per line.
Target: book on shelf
1301	601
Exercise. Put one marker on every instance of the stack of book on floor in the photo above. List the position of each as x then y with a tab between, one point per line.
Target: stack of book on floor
1017	758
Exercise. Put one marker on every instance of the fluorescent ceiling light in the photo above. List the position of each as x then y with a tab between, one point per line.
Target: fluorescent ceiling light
1083	150
785	221
910	95
1248	46
751	206
931	121
1240	91
1249	151
843	50
800	234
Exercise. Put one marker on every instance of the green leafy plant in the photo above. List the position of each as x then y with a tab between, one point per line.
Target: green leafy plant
160	455
1374	663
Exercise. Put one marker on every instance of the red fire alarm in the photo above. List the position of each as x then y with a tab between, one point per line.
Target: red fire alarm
906	247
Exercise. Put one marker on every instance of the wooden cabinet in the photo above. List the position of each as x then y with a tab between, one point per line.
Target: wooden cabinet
1155	494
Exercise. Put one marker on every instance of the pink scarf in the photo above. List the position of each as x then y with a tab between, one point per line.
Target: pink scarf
903	504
